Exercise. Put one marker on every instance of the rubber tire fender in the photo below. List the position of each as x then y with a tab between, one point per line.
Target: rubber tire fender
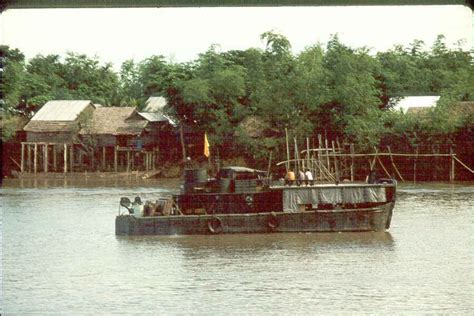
215	225
272	221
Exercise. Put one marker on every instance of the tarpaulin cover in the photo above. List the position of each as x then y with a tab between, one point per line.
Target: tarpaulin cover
292	197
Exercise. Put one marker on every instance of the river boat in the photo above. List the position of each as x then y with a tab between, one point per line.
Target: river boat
244	200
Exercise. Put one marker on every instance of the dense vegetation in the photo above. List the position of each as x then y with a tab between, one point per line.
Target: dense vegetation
246	99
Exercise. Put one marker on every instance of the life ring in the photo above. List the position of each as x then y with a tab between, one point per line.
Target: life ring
272	221
215	225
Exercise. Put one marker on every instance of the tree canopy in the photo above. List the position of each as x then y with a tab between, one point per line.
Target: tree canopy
334	90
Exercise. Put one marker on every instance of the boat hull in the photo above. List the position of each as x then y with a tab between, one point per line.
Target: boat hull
339	220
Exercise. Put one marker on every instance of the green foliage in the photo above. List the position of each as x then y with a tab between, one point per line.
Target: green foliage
337	91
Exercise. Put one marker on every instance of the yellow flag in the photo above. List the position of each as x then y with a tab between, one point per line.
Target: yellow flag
206	146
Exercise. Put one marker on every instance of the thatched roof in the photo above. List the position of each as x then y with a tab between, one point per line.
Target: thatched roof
115	121
50	126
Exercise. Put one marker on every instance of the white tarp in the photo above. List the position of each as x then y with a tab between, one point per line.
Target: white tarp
292	197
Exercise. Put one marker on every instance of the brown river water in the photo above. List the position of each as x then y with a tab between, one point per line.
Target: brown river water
60	255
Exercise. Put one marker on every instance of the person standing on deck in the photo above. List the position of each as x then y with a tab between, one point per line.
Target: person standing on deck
309	177
301	177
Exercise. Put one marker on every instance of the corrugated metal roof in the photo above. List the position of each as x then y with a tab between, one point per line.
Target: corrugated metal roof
416	102
153	117
154	104
61	110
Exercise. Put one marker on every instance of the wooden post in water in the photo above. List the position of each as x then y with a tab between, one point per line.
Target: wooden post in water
71	157
451	178
103	158
35	158
46	158
352	162
414	164
287	151
28	146
65	158
54	157
115	157
128	160
22	168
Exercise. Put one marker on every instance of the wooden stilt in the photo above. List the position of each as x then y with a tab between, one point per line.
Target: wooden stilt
65	158
35	157
103	158
28	147
115	158
128	160
71	158
452	164
287	150
46	158
22	168
54	158
414	164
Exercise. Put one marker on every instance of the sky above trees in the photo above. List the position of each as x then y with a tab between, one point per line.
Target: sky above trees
180	34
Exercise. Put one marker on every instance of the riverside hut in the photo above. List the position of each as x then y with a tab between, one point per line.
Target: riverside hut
121	138
53	131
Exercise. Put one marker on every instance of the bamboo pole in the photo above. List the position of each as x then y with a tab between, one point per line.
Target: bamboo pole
22	168
452	164
462	164
352	161
336	166
308	154
35	157
383	167
320	140
297	158
287	150
388	154
65	158
327	154
395	166
414	164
